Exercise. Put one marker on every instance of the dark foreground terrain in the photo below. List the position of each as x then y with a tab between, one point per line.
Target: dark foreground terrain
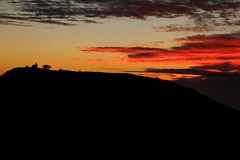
40	107
102	93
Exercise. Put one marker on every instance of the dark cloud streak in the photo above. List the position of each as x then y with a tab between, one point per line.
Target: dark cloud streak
223	67
140	55
221	70
68	11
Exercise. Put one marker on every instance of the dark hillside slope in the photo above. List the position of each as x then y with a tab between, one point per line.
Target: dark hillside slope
103	104
54	108
103	90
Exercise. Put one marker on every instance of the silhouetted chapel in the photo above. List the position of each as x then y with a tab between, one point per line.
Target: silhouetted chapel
35	66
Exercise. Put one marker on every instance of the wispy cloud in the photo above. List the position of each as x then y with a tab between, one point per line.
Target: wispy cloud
191	50
186	28
208	12
219	69
222	67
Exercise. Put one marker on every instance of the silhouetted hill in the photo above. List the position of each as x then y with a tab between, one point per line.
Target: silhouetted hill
102	108
117	92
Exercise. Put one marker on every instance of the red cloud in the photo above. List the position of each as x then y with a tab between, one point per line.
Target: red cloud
193	50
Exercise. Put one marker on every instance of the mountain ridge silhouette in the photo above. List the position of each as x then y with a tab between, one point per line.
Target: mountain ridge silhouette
45	100
96	84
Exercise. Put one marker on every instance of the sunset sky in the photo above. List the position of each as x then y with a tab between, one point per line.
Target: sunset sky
165	38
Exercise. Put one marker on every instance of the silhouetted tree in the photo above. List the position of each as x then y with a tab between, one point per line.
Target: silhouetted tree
46	67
